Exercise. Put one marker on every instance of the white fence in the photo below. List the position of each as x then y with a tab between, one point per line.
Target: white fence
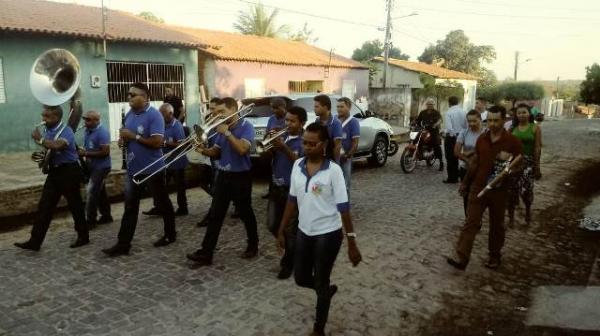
552	108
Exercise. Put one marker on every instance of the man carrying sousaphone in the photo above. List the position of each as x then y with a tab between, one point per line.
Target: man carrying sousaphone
64	179
497	154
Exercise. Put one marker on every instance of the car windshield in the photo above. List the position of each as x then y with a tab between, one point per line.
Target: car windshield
259	111
306	103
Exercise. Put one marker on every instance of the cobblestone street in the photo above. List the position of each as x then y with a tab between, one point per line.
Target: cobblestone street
406	225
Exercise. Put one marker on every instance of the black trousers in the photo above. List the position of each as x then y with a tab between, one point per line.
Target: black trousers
97	198
436	143
179	176
236	187
61	181
315	256
462	172
133	194
278	197
451	159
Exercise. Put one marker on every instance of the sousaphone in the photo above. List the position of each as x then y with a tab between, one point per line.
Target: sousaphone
54	79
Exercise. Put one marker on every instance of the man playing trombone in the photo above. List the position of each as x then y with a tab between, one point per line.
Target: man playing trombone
143	135
232	146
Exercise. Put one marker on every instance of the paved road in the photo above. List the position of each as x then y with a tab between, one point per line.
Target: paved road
405	224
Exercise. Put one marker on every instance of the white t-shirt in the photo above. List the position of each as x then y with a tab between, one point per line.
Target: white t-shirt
320	198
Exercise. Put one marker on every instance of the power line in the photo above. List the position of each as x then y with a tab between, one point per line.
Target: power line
501	15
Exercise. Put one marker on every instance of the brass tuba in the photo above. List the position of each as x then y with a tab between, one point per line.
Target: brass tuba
54	79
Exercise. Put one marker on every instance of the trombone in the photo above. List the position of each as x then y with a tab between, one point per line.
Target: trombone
197	136
266	144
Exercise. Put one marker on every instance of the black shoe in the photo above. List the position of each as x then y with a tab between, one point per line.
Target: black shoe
164	241
116	251
80	242
450	181
152	212
181	212
493	263
251	252
203	223
200	258
456	264
28	245
105	220
284	273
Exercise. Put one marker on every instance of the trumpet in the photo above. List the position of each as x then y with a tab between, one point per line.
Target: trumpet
198	136
43	123
266	144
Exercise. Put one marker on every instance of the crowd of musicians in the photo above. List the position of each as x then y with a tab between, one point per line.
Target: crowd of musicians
308	209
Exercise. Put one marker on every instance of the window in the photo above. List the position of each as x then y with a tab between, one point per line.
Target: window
305	86
157	76
254	87
2	93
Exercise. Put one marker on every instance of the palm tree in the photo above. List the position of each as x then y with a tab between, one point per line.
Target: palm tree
259	22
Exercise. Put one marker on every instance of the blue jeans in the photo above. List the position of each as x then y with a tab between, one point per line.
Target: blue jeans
314	259
96	198
347	170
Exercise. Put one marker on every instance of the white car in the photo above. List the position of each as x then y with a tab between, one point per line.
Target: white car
375	134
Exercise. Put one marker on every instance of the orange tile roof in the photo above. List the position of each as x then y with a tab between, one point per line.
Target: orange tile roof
429	69
47	17
250	48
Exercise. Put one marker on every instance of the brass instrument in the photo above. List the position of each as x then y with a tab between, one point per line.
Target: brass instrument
510	165
54	79
197	137
266	144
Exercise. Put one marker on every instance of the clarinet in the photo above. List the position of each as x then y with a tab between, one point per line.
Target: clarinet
124	146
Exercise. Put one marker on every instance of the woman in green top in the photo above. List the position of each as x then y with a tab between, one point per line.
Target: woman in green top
531	137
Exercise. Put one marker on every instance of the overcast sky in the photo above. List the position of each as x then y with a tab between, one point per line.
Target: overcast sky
559	38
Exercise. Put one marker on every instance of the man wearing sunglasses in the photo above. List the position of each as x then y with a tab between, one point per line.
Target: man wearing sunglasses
143	137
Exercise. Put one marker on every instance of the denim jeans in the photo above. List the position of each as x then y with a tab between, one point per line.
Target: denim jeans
97	199
133	194
315	256
347	170
275	207
236	187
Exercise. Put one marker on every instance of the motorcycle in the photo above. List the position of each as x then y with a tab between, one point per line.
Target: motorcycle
419	148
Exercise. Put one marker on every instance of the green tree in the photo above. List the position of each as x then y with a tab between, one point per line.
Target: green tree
374	48
305	35
456	52
590	87
151	17
441	91
258	21
513	91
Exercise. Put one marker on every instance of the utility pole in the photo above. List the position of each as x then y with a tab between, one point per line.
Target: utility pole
557	79
386	54
516	64
104	29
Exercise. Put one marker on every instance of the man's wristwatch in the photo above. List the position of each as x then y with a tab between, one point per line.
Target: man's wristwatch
138	137
227	133
351	235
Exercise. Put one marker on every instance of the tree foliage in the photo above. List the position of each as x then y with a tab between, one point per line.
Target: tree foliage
441	91
590	87
305	35
151	17
513	91
258	21
374	48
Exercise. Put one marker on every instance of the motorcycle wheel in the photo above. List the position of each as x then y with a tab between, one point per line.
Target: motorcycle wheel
406	161
393	148
430	161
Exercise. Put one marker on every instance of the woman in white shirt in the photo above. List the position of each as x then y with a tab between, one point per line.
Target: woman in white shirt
318	194
465	146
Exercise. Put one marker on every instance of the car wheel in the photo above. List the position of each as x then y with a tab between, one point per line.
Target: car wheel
379	152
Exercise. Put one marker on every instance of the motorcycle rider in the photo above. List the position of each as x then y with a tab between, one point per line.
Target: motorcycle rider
431	119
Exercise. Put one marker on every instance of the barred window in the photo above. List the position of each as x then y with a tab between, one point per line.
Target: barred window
157	76
2	92
305	86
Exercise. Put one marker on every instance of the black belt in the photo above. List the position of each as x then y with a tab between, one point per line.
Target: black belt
230	173
65	165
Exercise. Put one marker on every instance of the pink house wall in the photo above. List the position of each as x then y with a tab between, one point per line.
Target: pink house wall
226	78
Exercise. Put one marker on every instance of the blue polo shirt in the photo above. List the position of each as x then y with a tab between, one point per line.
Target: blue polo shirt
174	133
334	126
231	160
68	154
350	130
282	165
93	139
275	123
146	123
